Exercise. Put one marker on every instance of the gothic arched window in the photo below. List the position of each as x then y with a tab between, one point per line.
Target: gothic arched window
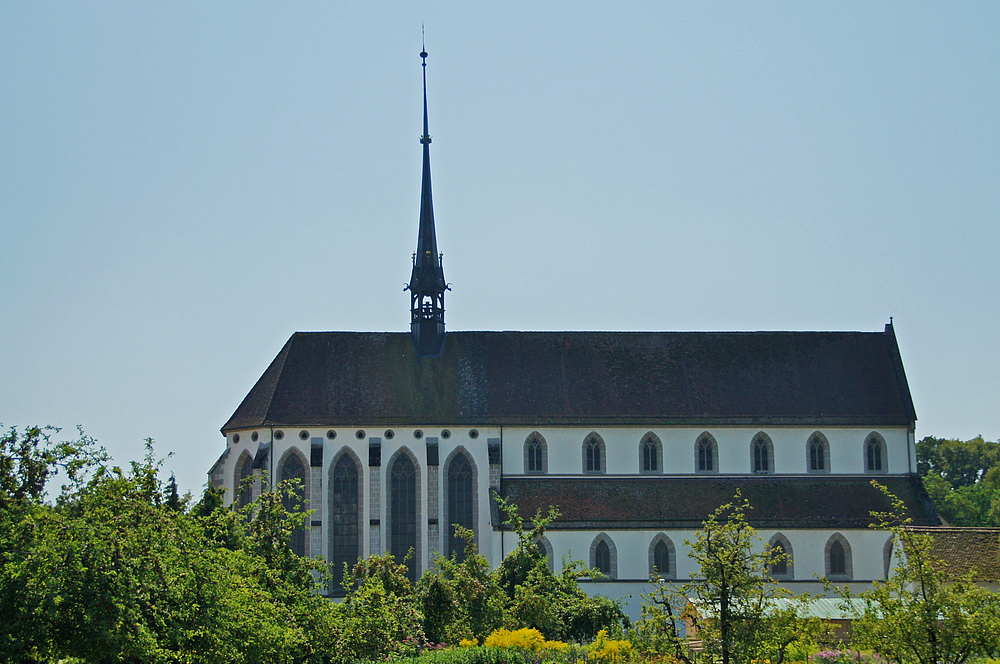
344	512
242	485
706	453
662	558
604	556
294	468
875	461
762	453
593	454
838	558
818	453
461	499
403	512
781	557
536	455
650	454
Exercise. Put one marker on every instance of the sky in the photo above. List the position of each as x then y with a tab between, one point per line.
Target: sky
184	185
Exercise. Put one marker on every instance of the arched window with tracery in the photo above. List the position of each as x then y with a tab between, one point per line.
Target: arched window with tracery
461	506
706	454
293	469
662	558
650	454
242	484
875	460
818	454
781	566
762	454
594	457
536	455
403	498
344	514
604	556
839	565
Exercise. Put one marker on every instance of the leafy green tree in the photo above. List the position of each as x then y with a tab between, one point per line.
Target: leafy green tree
460	599
114	571
960	463
553	604
380	618
920	615
740	613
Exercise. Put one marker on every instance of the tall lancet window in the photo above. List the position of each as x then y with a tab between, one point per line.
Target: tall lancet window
344	512
819	453
650	454
242	484
295	469
762	454
403	512
593	454
461	481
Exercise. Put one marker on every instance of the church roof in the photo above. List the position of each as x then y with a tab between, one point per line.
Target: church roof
778	501
964	551
583	378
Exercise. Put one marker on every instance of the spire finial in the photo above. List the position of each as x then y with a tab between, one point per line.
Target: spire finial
426	138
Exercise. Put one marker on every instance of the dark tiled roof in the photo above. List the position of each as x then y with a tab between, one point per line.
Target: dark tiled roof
591	378
965	550
598	503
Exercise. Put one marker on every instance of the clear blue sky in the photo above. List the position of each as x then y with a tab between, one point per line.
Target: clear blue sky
183	185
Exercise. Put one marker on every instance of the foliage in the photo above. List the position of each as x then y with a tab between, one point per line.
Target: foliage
553	604
460	599
473	656
960	463
732	606
526	638
919	615
380	618
116	570
603	649
962	478
837	656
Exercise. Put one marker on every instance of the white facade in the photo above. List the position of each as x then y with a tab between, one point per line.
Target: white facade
565	457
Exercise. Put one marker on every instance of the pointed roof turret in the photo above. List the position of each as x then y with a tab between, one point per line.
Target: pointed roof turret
427	284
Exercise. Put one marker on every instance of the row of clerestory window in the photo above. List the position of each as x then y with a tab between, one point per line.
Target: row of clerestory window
706	454
837	560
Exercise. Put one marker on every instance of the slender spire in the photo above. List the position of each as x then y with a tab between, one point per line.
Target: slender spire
427	284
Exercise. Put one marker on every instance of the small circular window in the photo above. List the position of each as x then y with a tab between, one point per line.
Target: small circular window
279	434
254	436
418	434
389	434
360	434
446	434
303	434
331	434
236	438
473	434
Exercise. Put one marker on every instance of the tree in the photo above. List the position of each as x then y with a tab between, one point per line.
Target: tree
116	570
553	604
380	616
740	612
920	615
960	463
461	598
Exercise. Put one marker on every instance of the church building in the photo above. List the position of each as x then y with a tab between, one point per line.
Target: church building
635	436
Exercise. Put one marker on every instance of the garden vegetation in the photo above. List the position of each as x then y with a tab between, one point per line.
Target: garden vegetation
115	566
